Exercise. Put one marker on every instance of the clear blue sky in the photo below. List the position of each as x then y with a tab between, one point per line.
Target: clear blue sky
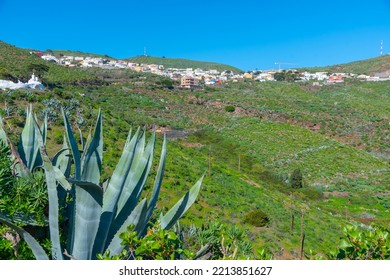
247	34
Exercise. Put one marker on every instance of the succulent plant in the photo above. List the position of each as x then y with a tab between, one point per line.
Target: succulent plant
99	212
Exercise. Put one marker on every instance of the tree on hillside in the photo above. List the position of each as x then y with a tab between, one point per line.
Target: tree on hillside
288	76
296	179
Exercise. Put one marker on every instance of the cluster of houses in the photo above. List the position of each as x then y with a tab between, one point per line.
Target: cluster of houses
190	78
193	78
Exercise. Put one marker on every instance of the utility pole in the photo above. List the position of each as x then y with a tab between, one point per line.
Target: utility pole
381	47
280	63
291	214
302	235
210	161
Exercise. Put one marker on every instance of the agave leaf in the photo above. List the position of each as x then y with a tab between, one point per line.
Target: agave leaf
85	146
130	183
40	134
86	184
134	184
62	161
86	221
3	135
73	145
82	138
113	191
89	196
28	144
136	218
139	172
50	175
36	248
157	182
93	156
61	179
174	214
44	129
19	166
104	186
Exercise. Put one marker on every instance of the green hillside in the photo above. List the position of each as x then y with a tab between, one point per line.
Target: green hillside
337	135
183	63
368	66
18	64
59	53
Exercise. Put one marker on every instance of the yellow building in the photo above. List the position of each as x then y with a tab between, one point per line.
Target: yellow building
248	76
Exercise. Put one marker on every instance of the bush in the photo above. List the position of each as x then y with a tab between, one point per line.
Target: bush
257	218
157	244
230	108
219	241
6	176
296	179
363	244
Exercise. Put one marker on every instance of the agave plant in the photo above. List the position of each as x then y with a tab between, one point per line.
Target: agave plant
99	213
26	155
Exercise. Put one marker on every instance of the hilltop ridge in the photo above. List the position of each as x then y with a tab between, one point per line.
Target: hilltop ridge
380	64
182	63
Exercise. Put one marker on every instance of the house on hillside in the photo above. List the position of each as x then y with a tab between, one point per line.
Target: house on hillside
50	58
40	54
382	75
248	75
189	82
335	79
362	76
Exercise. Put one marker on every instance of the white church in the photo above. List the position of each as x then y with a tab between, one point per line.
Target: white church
33	83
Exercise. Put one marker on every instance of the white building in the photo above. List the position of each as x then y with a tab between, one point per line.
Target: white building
49	58
33	83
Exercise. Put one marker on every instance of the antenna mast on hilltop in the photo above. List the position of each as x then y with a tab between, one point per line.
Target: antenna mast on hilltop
145	52
381	47
280	63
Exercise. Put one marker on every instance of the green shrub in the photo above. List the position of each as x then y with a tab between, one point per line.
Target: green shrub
157	244
6	176
230	108
257	218
363	244
296	179
219	241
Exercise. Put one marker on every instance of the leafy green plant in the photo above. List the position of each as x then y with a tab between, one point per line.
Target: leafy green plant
363	244
6	175
22	198
257	218
219	241
25	200
157	244
230	108
296	179
100	212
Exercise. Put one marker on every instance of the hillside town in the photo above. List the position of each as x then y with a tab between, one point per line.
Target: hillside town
193	78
